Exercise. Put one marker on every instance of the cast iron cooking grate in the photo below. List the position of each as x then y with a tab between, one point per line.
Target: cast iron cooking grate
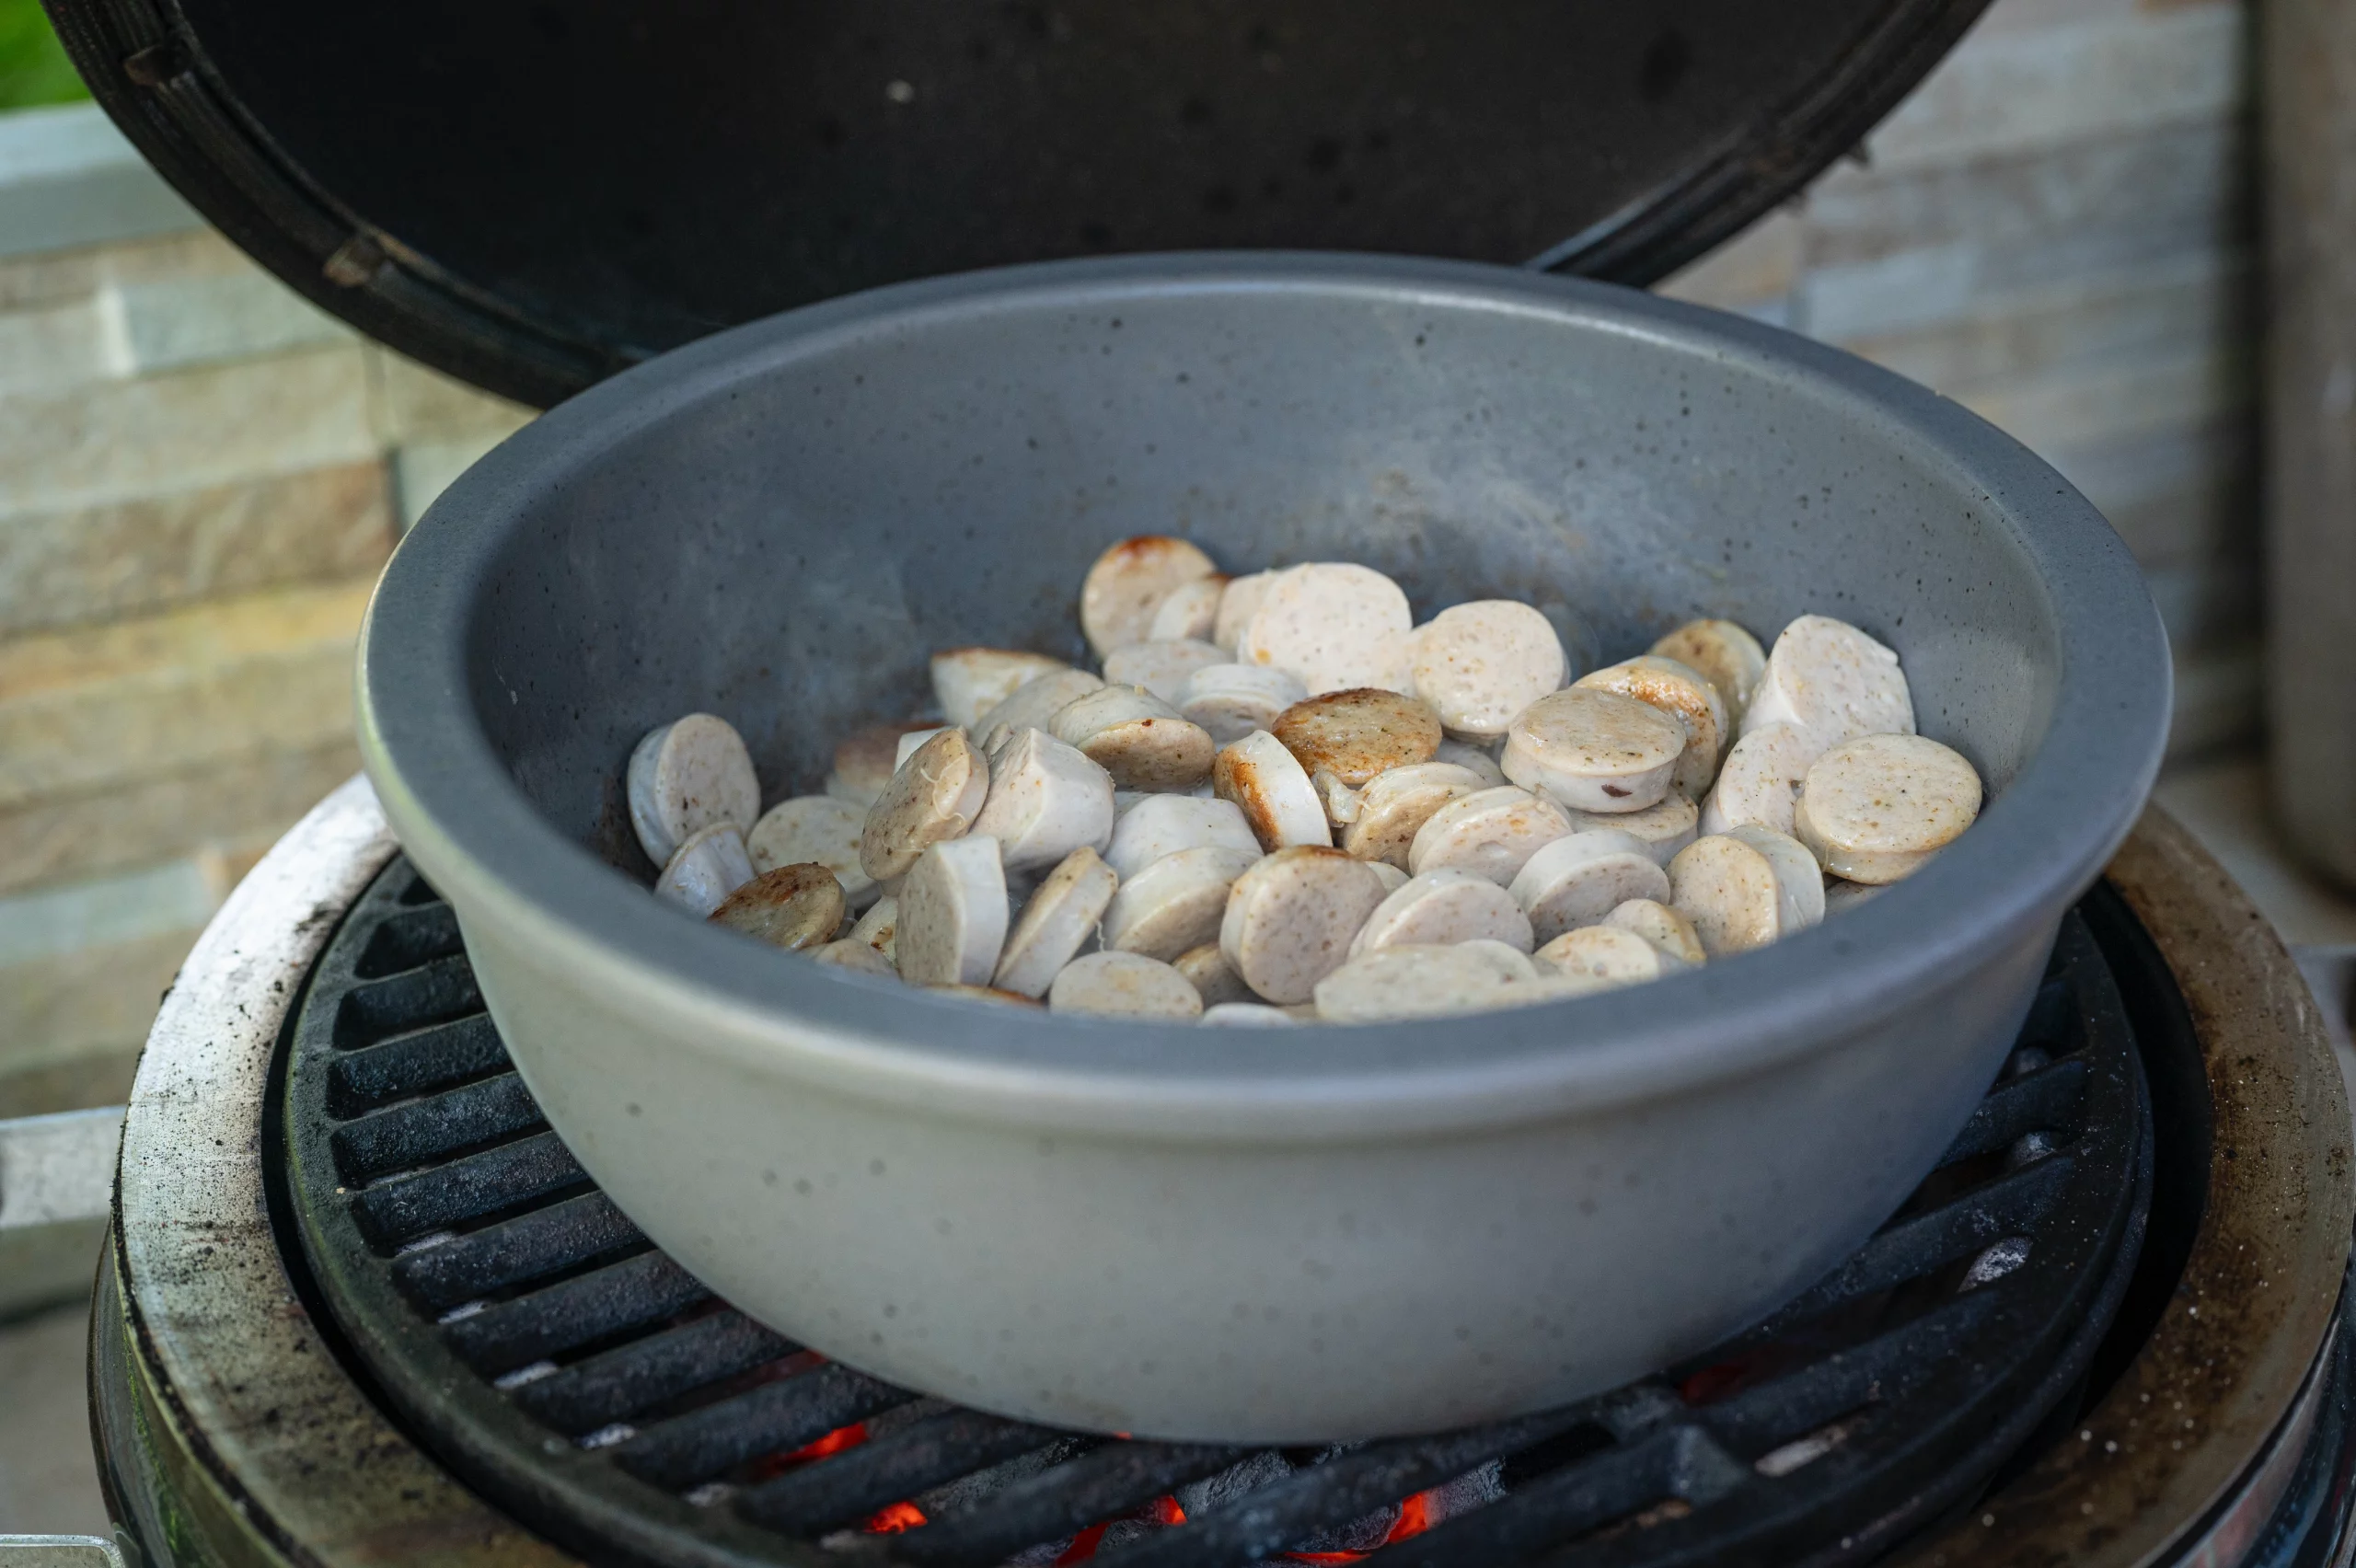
530	1336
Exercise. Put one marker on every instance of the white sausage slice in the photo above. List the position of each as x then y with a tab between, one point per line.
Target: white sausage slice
1473	759
1127	584
1412	982
1874	809
1661	925
1124	985
854	955
1137	738
1761	778
1728	657
1603	958
1032	704
1679	690
1162	668
1176	903
1163	825
1289	919
1273	791
1595	751
1335	625
687	775
1834	682
1391	878
1479	665
914	740
953	915
1188	612
1045	801
1247	1015
1233	701
879	926
1444	907
1206	968
1502	957
1238	605
1729	891
866	759
934	796
792	906
1340	800
1579	879
1663	829
1491	832
969	682
989	993
1056	924
814	827
706	868
1358	733
1797	876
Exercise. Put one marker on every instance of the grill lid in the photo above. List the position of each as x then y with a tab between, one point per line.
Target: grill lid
532	195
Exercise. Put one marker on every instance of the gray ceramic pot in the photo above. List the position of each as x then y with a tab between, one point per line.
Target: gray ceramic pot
1237	1234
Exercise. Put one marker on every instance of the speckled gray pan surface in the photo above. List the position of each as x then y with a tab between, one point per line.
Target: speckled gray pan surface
1295	1234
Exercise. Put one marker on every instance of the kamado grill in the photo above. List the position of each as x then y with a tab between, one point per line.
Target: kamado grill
361	1305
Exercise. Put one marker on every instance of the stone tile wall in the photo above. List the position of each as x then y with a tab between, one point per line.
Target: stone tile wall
200	474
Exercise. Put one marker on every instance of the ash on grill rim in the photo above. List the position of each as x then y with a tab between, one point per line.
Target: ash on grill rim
529	1335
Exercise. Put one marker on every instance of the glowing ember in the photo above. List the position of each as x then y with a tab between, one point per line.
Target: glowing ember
892	1520
1415	1519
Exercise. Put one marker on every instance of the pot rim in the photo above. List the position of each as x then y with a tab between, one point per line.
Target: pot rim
527	891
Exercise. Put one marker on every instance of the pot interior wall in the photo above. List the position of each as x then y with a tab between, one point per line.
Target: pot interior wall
785	547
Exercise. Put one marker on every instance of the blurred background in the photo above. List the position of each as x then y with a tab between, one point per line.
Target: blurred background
200	475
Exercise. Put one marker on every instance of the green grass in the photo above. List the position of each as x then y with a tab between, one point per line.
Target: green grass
33	68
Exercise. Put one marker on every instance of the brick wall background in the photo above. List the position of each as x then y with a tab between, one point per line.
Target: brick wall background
200	474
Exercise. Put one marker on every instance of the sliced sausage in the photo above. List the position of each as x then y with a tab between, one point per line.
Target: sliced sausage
1247	1015
791	906
1188	612
1745	889
1176	903
953	915
1681	691
969	682
1579	879
1238	605
706	868
1046	799
1032	704
1761	779
1444	907
1603	958
1137	738
1475	760
1490	832
913	742
1268	784
854	955
1207	970
989	993
879	926
935	797
866	759
1595	751
1124	985
1162	668
1663	829
1875	809
1660	925
1358	733
1056	924
687	775
1231	700
1728	657
1833	681
1797	876
1127	584
1163	825
819	828
1412	982
1481	663
1335	625
1290	917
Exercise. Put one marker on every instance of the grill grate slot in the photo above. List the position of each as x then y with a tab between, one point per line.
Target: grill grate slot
775	1418
531	1246
420	1063
633	1294
585	1380
424	1130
